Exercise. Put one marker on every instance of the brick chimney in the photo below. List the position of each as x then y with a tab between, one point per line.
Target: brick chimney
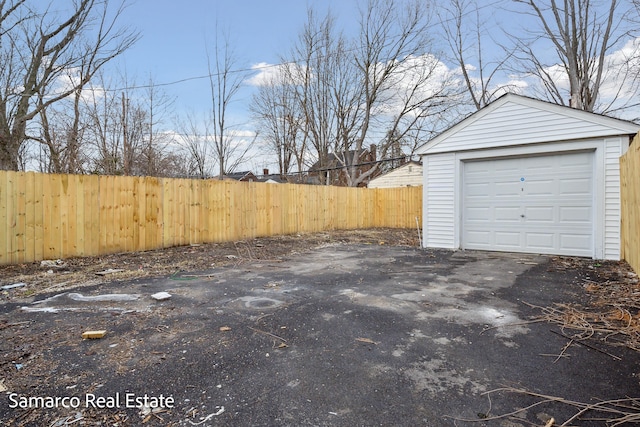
265	172
372	153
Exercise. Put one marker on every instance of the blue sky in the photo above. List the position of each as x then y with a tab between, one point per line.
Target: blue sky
175	35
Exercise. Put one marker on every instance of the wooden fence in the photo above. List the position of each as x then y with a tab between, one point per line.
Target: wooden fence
630	204
59	216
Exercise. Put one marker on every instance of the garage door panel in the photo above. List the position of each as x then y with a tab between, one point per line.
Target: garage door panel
576	214
538	187
506	189
582	161
507	213
531	204
574	241
481	239
540	214
478	190
482	214
575	186
505	168
506	239
540	241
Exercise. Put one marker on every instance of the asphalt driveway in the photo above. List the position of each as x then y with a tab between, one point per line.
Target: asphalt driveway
346	335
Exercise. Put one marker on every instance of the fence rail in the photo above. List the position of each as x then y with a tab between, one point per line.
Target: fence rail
45	216
630	204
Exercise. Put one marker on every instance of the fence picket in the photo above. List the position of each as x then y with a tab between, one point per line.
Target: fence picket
630	204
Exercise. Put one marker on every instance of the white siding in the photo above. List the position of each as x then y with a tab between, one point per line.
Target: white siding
612	153
439	201
516	124
409	175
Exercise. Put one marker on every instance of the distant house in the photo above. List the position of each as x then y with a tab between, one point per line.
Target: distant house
271	178
407	175
332	172
245	176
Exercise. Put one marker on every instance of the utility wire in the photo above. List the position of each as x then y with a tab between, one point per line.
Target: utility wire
266	66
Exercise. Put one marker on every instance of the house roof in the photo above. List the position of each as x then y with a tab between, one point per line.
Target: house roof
509	117
276	178
239	175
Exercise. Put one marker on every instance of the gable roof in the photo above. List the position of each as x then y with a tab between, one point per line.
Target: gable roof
239	176
515	119
274	178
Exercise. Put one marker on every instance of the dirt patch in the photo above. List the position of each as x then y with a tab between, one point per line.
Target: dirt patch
59	275
609	309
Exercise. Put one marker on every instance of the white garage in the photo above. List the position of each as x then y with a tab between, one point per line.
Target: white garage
523	175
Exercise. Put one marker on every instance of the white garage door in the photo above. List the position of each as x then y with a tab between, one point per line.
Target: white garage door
538	204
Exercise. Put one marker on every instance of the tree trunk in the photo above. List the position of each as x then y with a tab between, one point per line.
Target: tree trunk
9	153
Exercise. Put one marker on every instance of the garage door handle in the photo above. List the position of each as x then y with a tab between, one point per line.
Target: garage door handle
522	216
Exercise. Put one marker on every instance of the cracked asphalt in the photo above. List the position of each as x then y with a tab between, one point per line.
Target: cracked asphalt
345	335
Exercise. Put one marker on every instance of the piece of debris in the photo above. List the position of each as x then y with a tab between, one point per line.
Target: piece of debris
15	285
75	296
51	263
109	271
208	417
271	285
231	256
94	334
225	328
18	366
161	296
68	420
3	388
146	410
9	325
366	341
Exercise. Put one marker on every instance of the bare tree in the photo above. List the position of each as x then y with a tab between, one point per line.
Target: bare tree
103	111
194	141
583	34
61	135
117	125
464	32
224	83
312	73
279	121
401	81
38	47
155	156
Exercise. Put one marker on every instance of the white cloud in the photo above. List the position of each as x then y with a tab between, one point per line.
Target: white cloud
619	87
70	79
270	74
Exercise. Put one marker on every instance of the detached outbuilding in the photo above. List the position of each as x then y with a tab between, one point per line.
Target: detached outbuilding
407	175
524	175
